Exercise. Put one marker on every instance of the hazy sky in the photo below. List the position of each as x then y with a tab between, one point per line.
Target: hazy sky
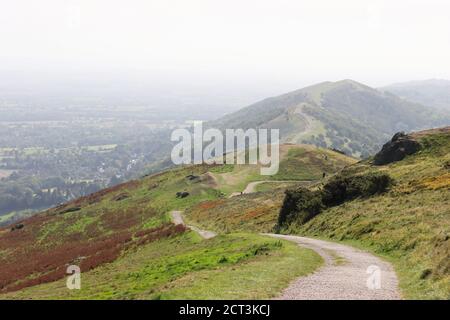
282	44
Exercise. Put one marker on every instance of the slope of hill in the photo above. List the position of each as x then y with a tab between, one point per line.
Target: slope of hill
125	234
405	219
431	93
409	223
345	115
399	210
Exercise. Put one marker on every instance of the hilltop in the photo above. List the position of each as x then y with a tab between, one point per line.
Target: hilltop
344	115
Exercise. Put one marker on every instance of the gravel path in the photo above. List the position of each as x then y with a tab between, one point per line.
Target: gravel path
345	275
177	218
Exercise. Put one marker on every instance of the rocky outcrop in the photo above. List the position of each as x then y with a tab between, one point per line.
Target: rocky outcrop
400	146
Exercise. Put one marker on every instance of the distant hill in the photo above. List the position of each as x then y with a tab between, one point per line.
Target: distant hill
344	115
433	93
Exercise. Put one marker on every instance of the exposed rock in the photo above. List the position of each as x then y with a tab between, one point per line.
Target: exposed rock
400	146
17	227
183	194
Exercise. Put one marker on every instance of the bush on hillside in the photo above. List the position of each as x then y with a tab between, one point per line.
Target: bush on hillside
301	205
341	188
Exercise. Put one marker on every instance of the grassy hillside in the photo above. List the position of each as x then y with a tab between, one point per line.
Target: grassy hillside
409	224
345	115
297	163
125	234
300	164
431	93
187	267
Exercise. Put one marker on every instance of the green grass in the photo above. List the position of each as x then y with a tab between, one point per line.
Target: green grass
187	267
296	163
410	231
237	179
222	169
6	217
263	277
306	163
158	270
409	225
271	186
257	212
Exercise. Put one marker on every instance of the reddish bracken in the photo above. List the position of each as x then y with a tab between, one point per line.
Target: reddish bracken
29	258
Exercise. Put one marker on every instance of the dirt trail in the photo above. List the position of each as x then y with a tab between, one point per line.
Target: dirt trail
251	187
345	275
177	218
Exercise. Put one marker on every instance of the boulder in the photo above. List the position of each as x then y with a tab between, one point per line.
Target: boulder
400	146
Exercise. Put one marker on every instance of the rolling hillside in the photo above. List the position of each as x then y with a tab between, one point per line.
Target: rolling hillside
127	246
409	224
399	210
431	93
345	115
395	205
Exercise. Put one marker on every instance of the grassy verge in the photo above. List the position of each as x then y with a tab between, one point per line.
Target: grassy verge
411	285
263	277
228	266
411	232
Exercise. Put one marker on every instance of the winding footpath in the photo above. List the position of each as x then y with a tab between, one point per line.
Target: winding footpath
251	187
348	273
177	219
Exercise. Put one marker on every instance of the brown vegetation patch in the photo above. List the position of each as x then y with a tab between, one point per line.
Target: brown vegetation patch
96	196
210	204
432	183
35	265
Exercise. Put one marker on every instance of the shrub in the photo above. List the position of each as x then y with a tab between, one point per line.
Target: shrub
341	188
301	205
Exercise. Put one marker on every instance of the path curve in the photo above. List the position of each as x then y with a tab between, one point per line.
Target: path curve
177	219
345	274
250	188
